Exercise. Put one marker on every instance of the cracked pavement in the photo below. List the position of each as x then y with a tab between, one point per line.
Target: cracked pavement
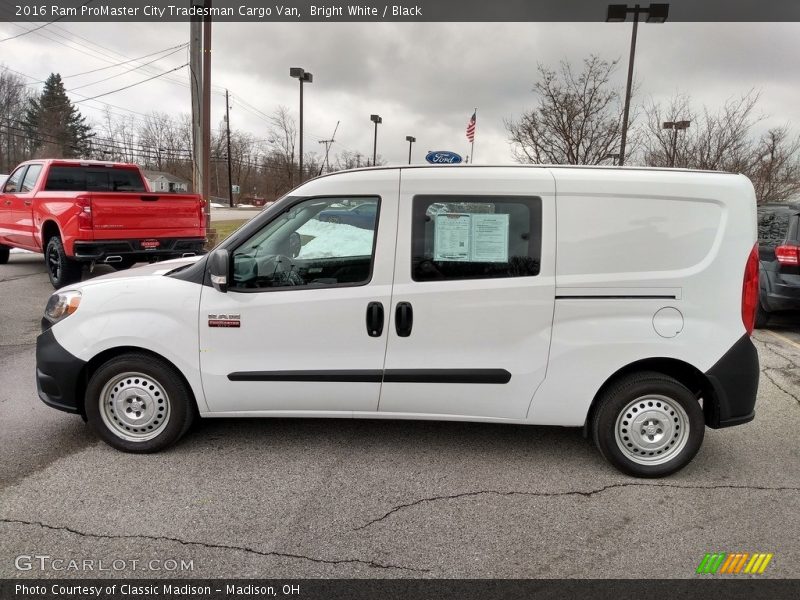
335	498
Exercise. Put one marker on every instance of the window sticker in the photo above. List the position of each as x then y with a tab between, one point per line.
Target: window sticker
452	239
474	237
489	238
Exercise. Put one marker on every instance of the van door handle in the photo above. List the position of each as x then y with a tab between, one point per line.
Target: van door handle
28	202
374	319
403	319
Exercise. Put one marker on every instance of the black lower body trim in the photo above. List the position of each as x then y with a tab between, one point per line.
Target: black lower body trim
447	376
496	376
57	374
360	376
734	379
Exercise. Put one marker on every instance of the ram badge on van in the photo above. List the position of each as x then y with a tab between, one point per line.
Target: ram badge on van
618	300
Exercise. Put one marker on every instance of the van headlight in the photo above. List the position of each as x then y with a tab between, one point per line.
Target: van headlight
61	305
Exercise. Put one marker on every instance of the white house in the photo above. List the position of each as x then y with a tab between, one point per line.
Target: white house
161	181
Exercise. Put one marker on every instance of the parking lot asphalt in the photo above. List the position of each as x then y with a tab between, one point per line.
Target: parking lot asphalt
338	498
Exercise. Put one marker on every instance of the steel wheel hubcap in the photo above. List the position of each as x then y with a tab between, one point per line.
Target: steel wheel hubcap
652	430
134	406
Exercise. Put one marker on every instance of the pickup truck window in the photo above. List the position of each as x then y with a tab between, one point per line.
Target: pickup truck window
64	178
13	183
30	178
315	243
475	237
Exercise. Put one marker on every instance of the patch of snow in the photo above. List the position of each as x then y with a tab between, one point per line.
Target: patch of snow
20	251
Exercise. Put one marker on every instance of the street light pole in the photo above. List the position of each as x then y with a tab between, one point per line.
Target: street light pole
674	126
410	139
304	77
656	13
375	119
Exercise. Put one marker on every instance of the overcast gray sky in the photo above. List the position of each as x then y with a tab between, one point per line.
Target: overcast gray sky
423	79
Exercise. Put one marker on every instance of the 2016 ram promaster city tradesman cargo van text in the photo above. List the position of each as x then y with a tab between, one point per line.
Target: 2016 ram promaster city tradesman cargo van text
619	300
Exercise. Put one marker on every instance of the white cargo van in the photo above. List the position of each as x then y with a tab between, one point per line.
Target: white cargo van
618	300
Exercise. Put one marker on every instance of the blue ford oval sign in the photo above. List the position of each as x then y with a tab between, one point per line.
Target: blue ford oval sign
443	157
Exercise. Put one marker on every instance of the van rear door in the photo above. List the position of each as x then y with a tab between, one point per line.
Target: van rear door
472	303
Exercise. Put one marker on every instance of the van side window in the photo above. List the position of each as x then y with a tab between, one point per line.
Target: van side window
475	237
320	242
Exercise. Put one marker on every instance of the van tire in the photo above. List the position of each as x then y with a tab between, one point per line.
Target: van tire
662	410
138	403
61	269
5	252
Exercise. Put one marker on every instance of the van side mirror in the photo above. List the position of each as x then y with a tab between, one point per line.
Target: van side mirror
219	268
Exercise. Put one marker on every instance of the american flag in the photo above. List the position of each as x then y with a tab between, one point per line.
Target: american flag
471	128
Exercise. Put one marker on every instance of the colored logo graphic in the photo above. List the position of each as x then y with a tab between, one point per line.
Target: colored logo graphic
734	563
443	157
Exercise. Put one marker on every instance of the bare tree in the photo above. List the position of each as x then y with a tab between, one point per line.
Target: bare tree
723	140
14	98
775	169
578	119
282	137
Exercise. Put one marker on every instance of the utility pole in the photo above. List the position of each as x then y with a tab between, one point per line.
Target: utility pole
196	77
328	143
228	131
325	164
206	125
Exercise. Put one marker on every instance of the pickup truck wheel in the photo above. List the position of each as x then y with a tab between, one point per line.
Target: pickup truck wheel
138	403
61	269
648	425
126	263
5	251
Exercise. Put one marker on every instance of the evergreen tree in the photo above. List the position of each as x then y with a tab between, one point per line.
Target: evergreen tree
56	129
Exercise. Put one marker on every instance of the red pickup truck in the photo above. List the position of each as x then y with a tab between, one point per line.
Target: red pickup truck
82	212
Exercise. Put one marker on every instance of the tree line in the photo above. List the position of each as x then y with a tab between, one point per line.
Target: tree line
576	119
49	125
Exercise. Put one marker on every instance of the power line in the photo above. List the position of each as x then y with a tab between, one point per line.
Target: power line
13	37
124	72
179	46
133	84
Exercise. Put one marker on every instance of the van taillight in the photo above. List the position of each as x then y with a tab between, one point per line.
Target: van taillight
750	291
84	204
788	255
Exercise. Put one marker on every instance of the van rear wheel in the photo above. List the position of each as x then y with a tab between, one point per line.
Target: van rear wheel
648	425
139	403
5	252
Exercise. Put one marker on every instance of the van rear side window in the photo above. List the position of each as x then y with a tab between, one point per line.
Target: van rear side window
93	179
475	237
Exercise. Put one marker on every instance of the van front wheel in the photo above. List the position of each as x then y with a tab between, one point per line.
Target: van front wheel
138	403
648	425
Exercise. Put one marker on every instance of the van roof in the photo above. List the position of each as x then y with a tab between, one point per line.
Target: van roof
536	166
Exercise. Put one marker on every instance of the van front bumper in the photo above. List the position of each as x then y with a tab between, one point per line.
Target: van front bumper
734	383
57	374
